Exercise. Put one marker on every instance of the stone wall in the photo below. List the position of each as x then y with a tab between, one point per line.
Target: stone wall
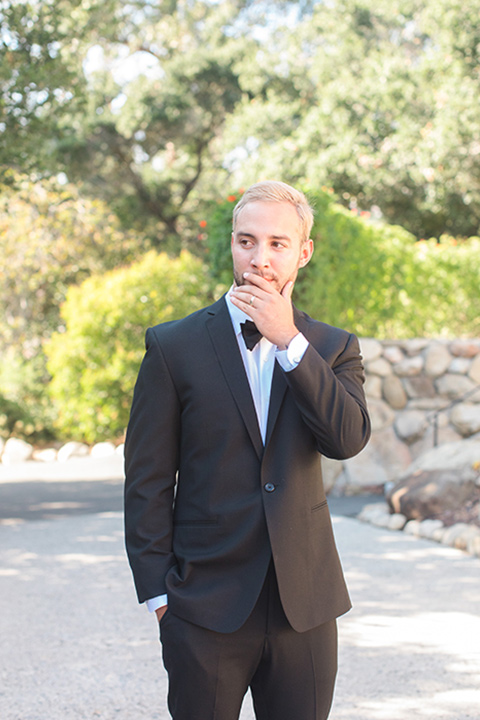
407	383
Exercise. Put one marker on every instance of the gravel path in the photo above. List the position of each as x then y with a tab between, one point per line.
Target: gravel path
75	645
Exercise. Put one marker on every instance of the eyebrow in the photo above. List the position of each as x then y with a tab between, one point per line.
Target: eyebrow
271	237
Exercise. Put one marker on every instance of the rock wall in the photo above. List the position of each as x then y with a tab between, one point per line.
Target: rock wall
407	383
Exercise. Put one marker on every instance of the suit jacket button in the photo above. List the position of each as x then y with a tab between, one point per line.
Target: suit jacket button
269	487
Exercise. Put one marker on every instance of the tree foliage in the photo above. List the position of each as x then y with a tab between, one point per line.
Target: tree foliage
127	99
155	107
94	363
39	78
50	238
378	101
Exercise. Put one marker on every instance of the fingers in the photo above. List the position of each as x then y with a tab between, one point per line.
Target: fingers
287	290
251	292
266	285
257	280
257	290
270	309
246	301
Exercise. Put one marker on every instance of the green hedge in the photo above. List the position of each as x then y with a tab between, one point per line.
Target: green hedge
94	363
13	418
25	408
371	278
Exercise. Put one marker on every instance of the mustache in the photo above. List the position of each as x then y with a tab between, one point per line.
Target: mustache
266	276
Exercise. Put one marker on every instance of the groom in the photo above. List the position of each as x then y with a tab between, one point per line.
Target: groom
228	530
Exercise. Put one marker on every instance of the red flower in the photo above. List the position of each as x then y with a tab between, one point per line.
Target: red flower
203	223
231	198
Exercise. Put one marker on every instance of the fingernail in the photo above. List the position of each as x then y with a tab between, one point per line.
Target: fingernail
245	275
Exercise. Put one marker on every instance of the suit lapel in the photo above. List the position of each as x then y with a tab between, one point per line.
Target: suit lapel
279	384
219	326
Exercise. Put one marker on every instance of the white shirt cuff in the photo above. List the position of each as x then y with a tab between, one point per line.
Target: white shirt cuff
290	358
156	602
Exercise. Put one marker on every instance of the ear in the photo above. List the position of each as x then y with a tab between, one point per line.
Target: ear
306	252
231	241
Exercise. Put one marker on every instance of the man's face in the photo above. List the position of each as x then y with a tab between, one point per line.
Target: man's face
266	242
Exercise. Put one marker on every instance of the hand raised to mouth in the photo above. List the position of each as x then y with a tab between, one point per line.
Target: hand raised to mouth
270	310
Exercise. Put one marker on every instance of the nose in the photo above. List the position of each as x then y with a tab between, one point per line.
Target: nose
260	258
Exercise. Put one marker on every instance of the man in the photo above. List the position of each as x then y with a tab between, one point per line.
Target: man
227	526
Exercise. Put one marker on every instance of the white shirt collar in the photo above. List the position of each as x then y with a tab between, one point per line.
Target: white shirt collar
237	316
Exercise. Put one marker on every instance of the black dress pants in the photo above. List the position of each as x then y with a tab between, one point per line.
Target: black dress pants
291	674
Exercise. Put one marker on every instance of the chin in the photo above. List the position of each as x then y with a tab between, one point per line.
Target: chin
238	279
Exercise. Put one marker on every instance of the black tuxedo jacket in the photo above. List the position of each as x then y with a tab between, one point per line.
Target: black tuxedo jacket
206	504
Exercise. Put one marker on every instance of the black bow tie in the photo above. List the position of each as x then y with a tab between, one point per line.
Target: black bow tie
250	333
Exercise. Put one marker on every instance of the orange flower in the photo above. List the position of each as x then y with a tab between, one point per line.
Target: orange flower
231	198
203	223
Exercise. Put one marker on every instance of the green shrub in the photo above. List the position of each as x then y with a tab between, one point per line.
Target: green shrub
11	415
359	274
218	234
25	408
377	281
446	288
94	363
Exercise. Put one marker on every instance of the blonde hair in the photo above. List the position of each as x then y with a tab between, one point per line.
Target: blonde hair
276	191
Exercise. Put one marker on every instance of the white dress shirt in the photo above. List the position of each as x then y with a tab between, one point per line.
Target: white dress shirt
259	364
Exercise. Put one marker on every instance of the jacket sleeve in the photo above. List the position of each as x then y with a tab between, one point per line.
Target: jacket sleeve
151	463
331	400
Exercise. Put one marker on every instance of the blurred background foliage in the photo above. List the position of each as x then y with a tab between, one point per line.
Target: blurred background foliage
95	362
50	238
124	126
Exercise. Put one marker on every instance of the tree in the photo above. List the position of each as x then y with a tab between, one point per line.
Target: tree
39	78
126	99
50	239
156	107
378	101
